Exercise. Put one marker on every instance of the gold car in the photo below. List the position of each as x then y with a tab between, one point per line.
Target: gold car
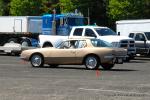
90	52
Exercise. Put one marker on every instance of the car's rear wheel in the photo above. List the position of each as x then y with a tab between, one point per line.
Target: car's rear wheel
107	66
37	60
91	62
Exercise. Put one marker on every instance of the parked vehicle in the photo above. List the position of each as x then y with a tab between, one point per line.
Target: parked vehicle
103	33
20	29
90	52
25	30
18	32
138	30
142	42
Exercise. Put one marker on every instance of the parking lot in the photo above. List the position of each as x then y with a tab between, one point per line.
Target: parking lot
20	81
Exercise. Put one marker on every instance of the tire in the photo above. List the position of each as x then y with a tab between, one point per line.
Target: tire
47	45
91	62
37	60
107	66
127	59
25	43
12	40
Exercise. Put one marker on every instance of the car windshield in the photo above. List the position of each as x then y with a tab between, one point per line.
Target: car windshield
105	31
147	35
100	43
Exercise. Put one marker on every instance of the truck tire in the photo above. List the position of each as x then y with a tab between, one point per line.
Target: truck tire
25	43
13	40
47	44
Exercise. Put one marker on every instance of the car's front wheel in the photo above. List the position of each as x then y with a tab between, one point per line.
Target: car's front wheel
91	62
107	66
37	60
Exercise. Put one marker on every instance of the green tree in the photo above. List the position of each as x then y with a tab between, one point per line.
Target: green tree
1	7
48	6
66	6
97	10
128	9
118	9
26	7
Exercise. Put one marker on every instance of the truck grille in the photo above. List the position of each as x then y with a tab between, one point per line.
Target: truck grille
127	44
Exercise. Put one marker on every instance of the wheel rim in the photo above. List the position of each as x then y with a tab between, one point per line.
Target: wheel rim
36	60
91	62
11	41
25	44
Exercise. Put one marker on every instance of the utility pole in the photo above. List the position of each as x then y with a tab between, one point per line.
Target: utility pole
88	16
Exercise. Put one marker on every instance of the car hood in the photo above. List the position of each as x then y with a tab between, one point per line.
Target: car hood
112	38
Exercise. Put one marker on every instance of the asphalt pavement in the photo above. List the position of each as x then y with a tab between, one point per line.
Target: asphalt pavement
20	81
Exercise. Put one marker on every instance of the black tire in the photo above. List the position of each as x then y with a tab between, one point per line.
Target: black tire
127	59
37	60
13	40
25	43
47	45
107	66
91	62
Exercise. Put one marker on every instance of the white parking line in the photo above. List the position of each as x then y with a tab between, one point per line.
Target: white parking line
125	92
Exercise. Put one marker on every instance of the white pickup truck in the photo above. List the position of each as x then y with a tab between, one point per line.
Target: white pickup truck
103	33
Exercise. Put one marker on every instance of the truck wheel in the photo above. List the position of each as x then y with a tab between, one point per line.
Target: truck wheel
12	40
107	66
47	45
37	60
91	62
25	43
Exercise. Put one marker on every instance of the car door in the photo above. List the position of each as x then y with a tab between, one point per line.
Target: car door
140	43
63	55
81	51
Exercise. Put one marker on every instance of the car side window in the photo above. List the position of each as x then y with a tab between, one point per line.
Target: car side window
139	37
64	45
78	32
81	44
89	32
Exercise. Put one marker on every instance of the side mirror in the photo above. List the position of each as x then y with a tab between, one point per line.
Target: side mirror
118	33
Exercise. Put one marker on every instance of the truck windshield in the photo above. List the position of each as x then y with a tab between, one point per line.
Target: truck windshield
105	31
147	35
100	43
